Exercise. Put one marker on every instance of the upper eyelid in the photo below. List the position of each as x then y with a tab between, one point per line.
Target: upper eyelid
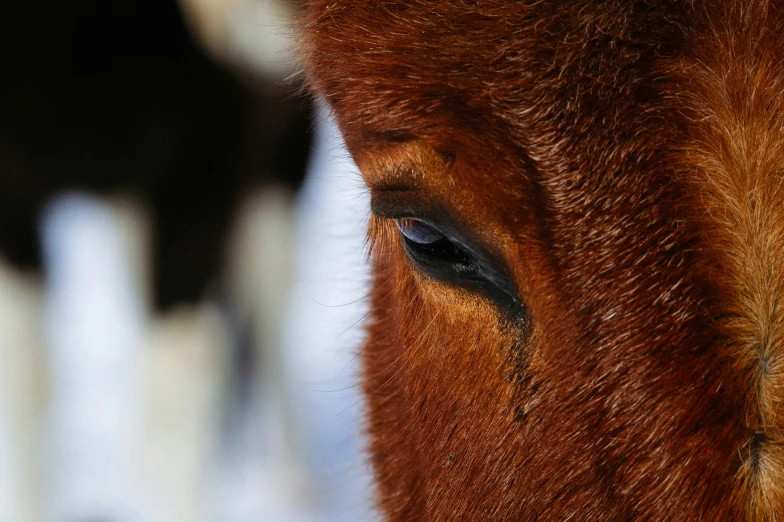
395	204
400	176
408	164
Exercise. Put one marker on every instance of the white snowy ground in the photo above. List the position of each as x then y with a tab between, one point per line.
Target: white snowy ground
323	330
133	408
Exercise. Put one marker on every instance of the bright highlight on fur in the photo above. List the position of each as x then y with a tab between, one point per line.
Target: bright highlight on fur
613	348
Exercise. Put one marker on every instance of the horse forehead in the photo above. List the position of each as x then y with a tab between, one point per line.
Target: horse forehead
538	74
587	92
495	68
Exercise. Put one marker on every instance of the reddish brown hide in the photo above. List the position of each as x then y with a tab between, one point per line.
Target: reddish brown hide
614	171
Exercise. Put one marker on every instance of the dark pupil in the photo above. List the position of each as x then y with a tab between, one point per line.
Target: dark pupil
425	240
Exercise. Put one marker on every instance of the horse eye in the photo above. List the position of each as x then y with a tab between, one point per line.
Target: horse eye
418	231
429	247
446	259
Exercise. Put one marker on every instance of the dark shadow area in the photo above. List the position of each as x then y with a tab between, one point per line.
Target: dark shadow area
115	97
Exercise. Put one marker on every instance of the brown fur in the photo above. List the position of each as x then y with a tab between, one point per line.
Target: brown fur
624	161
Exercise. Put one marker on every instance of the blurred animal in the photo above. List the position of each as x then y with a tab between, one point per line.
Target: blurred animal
116	98
578	245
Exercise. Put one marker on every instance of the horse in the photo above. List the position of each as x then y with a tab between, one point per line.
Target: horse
576	238
109	377
119	98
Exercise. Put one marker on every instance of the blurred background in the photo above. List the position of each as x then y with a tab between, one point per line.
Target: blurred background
182	270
